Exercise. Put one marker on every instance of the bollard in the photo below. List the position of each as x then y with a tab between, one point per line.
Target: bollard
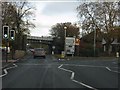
52	52
117	54
62	54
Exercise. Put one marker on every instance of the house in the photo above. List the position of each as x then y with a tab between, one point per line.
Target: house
105	44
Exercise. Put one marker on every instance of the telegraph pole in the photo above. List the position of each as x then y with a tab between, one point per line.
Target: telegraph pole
94	46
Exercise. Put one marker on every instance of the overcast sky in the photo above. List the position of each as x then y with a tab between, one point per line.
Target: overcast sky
48	14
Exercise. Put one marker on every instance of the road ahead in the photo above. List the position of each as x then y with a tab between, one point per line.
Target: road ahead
51	73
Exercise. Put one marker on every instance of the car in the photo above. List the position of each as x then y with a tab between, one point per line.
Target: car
32	50
39	52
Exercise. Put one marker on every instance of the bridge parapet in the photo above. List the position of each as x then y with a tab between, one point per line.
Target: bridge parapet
40	38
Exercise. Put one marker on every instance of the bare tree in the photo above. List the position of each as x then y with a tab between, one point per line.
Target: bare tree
100	16
16	15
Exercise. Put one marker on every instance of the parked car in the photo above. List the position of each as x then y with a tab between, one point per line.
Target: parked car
39	52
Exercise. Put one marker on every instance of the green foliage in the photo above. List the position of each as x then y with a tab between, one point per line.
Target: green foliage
58	32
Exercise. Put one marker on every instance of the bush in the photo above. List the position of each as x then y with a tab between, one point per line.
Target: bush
88	52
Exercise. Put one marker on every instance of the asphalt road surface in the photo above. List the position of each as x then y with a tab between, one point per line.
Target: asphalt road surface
83	73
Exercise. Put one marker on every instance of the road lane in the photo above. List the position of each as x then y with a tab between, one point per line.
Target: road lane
44	73
98	77
38	73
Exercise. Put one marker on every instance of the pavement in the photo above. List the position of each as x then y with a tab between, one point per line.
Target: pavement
6	64
9	62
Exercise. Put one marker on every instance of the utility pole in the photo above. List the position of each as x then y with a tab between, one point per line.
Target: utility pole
94	46
65	41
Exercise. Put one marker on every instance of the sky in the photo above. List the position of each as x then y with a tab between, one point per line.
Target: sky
49	13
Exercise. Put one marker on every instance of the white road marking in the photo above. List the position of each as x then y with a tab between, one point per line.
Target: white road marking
72	78
116	71
85	65
112	70
76	66
108	68
4	74
84	85
5	70
69	65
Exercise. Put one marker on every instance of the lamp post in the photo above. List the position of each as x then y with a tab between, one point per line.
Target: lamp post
65	41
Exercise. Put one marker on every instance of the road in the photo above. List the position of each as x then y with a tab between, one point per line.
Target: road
52	73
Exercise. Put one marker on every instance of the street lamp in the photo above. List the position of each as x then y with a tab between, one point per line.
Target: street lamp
65	40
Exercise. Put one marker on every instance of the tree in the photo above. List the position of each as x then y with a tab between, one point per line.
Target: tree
8	11
16	15
58	32
99	16
23	11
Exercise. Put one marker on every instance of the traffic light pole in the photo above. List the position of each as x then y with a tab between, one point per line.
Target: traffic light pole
6	50
7	38
12	50
12	37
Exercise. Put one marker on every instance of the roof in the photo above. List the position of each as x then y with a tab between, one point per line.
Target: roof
115	42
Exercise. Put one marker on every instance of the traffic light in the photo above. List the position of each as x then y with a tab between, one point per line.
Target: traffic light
12	34
5	31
